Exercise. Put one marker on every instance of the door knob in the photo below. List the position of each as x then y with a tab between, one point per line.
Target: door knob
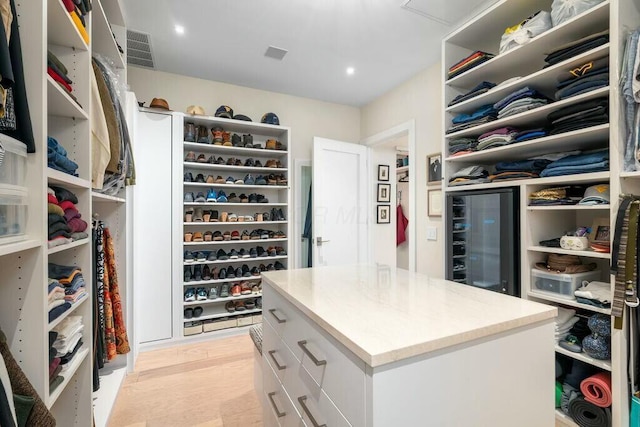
319	241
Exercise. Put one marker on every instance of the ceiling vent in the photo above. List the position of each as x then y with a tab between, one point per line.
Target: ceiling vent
139	49
275	53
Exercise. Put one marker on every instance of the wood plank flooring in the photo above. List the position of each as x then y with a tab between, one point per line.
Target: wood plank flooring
199	385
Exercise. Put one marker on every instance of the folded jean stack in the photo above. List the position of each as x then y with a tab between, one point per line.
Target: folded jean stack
519	101
482	115
78	10
520	169
469	175
57	158
577	47
481	88
70	280
476	58
589	76
497	138
589	162
67	344
58	72
460	146
579	116
556	196
64	221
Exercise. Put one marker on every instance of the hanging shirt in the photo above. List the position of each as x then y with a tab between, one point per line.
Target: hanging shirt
401	226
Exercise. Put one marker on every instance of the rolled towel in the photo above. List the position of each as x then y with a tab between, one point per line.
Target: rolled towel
597	389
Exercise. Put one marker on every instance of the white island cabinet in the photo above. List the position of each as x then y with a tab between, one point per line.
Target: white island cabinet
372	346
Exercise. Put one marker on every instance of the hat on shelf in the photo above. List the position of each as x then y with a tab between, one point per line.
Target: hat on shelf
224	111
270	118
242	117
196	110
159	103
596	195
561	263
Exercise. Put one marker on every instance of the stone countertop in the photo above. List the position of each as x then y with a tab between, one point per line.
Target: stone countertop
384	314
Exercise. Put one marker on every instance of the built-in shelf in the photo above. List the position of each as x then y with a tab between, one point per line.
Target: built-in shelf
602	364
239	260
552	180
567	302
225	150
239	126
103	40
234	223
105	198
61	104
61	30
223	205
113	10
57	177
68	246
590	254
238	186
231	168
112	376
221	315
235	242
64	315
15	247
68	374
218	300
199	283
570	208
403	169
634	174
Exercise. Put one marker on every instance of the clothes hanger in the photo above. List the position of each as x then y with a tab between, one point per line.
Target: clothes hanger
405	178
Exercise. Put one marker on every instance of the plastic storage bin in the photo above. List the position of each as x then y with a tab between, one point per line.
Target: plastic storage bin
13	214
559	284
13	165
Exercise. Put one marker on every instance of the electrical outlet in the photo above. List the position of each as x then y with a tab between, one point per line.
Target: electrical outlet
432	233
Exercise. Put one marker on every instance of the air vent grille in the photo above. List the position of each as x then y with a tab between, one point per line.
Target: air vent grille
275	53
139	50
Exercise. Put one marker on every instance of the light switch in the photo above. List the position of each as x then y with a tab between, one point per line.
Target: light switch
432	233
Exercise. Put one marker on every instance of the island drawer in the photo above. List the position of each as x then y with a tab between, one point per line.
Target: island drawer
277	353
278	409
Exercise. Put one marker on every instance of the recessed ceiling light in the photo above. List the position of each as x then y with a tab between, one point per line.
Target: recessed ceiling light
351	71
179	29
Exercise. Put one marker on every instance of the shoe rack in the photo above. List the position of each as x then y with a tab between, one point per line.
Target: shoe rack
213	151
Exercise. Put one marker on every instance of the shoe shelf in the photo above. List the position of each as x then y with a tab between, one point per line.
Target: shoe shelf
225	314
105	198
68	375
60	103
257	187
225	299
583	178
234	242
60	28
238	126
252	223
103	41
544	81
602	364
57	177
569	208
23	245
68	246
568	302
67	313
222	204
582	139
529	56
237	261
589	254
200	283
231	168
531	117
222	149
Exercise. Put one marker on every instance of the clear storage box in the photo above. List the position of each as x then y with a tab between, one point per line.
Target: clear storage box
13	164
13	214
560	285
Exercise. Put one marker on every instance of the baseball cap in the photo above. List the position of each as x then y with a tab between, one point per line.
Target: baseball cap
242	117
271	119
596	195
195	110
224	111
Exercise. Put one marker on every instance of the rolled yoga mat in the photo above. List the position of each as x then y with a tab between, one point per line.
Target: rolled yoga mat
597	389
587	414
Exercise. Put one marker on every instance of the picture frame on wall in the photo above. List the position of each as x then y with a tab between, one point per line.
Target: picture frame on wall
384	214
434	202
434	168
384	193
383	172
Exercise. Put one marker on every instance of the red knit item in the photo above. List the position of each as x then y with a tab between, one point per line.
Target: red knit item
59	79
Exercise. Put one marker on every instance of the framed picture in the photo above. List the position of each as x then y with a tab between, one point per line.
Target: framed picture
383	172
384	193
384	214
434	202
600	231
434	168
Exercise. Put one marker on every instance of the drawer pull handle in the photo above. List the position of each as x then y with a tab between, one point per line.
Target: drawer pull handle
280	367
302	400
273	313
314	359
273	403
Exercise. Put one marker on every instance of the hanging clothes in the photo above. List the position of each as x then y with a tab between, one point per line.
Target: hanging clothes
401	226
120	330
307	233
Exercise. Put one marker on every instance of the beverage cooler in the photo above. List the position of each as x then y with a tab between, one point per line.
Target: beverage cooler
483	239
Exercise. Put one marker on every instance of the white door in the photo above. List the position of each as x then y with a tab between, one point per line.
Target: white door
339	203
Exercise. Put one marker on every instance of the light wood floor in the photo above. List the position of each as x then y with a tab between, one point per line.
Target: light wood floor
205	385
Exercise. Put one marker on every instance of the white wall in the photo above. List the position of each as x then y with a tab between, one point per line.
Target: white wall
418	98
383	240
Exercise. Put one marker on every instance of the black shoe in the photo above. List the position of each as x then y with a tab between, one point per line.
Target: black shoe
222	255
223	274
231	273
188	313
245	271
238	273
279	266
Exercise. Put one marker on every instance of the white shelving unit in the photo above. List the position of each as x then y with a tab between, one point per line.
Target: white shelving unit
539	223
278	198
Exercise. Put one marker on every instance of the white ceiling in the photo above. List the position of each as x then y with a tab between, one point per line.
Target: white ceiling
225	40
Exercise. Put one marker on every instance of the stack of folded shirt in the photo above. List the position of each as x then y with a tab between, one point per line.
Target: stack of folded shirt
597	294
527	134
462	146
482	115
65	222
577	47
72	281
520	169
59	73
496	138
54	363
594	161
469	175
567	195
78	9
579	116
521	100
56	305
478	90
471	61
564	322
69	341
57	158
589	76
